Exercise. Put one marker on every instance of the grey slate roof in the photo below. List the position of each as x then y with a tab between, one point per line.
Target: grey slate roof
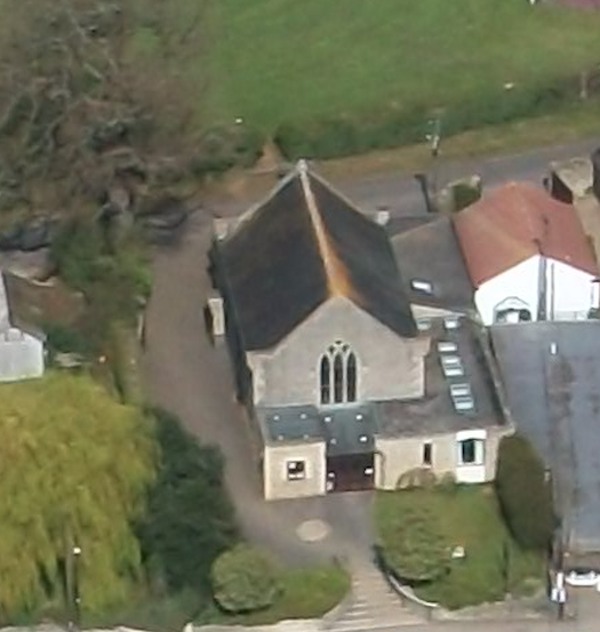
346	430
430	252
435	413
555	400
302	245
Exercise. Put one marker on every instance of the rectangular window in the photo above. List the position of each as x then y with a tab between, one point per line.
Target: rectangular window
427	453
296	470
471	452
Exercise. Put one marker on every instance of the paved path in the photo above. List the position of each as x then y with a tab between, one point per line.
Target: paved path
185	374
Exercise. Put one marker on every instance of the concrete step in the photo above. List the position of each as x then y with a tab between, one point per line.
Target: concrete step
374	603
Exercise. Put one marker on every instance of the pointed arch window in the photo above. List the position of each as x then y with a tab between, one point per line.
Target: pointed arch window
325	377
351	378
338	377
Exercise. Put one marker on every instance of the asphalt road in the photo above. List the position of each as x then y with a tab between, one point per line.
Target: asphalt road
402	195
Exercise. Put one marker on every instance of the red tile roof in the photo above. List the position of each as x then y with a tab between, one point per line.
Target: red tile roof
515	222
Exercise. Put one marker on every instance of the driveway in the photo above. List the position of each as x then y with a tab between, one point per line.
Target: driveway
187	375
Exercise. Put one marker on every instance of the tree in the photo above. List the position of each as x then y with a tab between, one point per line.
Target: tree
190	520
244	579
78	92
524	493
414	546
75	465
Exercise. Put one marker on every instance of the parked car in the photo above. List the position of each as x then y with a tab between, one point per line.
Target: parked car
582	577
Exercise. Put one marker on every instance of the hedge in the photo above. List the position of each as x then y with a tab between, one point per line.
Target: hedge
524	493
223	147
393	127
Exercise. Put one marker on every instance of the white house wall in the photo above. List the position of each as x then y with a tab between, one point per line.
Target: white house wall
520	282
388	366
570	292
21	356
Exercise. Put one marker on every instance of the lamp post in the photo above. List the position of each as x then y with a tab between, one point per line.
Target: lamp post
76	597
72	586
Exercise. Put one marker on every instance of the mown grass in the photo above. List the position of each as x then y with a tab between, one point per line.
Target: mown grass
470	517
277	60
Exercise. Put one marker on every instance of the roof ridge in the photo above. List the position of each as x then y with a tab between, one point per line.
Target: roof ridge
338	280
250	212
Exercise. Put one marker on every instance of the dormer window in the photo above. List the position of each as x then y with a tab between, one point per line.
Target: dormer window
420	285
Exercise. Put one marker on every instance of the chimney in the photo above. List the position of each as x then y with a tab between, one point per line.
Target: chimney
422	179
382	217
217	314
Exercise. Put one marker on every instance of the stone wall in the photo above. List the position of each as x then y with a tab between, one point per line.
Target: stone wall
388	366
275	459
398	456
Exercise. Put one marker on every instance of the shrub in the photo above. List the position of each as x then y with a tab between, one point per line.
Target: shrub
244	579
414	546
223	147
63	339
524	494
189	520
416	477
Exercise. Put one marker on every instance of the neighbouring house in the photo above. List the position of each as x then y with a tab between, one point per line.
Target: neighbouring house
434	275
21	344
551	373
570	180
578	181
528	257
343	389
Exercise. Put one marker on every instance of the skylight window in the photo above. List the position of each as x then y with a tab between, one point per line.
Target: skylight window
420	285
451	322
424	324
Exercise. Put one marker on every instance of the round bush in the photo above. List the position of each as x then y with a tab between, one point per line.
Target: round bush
244	579
414	546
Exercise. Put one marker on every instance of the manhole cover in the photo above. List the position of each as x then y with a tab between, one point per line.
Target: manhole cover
312	530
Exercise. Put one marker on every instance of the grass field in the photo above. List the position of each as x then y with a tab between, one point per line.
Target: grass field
470	517
279	60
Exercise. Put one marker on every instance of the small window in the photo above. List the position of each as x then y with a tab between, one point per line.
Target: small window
421	286
296	470
427	453
471	452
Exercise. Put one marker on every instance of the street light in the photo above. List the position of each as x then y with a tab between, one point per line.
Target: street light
76	598
73	587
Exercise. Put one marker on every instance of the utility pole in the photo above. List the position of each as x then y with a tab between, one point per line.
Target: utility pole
435	139
428	183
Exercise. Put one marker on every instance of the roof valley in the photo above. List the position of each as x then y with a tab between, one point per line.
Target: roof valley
338	283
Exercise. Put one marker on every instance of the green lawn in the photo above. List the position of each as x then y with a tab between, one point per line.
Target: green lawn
306	594
280	60
470	517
